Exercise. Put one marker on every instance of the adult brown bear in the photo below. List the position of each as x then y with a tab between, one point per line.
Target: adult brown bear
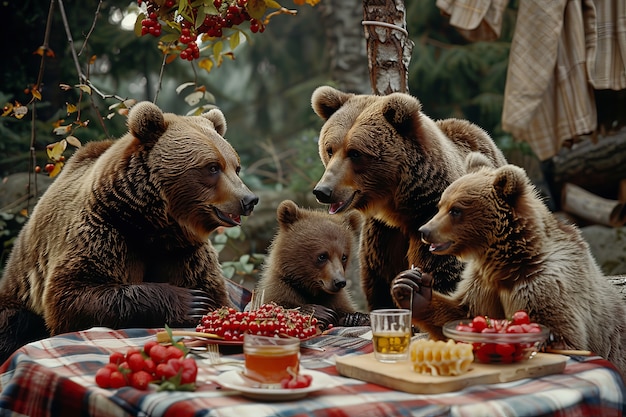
121	238
391	162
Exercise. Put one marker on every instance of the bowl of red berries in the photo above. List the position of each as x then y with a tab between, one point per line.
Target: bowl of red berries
497	341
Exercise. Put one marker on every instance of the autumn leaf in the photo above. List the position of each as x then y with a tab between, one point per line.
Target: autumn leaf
55	150
36	94
71	108
206	64
74	141
20	111
84	88
57	169
62	130
7	110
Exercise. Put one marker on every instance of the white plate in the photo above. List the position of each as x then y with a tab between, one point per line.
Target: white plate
234	380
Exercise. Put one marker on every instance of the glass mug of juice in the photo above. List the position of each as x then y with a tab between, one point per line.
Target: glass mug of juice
268	360
391	334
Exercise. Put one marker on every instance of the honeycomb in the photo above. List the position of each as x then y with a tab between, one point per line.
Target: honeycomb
436	357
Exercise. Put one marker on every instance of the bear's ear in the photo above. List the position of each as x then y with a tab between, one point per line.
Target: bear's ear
327	100
402	111
216	117
287	212
509	182
476	160
146	122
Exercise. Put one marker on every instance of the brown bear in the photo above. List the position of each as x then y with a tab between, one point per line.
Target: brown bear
391	162
121	237
518	256
307	263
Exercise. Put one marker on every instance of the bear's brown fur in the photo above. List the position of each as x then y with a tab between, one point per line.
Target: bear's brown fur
121	237
391	162
308	259
518	256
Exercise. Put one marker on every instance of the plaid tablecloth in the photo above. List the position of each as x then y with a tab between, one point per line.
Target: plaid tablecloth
55	377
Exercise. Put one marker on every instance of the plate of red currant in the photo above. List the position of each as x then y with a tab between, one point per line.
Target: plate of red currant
228	326
236	381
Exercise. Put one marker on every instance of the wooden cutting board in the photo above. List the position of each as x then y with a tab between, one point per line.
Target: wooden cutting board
401	377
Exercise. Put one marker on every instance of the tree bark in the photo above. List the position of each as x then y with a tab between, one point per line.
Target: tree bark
388	45
345	44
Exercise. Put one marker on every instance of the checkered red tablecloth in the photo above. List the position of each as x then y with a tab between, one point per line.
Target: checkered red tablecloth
55	377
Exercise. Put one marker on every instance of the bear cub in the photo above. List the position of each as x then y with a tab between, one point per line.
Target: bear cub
518	256
307	263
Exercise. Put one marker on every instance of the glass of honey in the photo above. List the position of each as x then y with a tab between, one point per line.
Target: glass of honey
391	334
268	360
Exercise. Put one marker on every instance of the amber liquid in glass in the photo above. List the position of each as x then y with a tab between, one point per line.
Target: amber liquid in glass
391	342
268	365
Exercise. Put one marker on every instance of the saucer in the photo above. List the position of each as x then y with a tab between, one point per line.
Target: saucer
235	381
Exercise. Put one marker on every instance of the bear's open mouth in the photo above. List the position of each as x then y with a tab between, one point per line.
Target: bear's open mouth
340	206
228	218
439	247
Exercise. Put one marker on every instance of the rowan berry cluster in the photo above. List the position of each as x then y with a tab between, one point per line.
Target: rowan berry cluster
269	320
166	366
229	14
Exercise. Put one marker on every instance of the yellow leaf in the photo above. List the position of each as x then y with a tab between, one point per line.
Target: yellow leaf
74	141
234	41
8	109
92	59
206	64
229	55
57	169
24	212
54	152
217	48
71	108
85	88
170	58
137	28
273	4
36	94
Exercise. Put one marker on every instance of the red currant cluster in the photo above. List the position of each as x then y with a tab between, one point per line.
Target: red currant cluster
269	320
230	13
511	346
155	363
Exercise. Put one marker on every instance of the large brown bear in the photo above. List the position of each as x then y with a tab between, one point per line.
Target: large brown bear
307	263
518	257
121	237
391	162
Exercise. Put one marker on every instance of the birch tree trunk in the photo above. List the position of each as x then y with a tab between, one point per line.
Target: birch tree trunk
389	47
345	44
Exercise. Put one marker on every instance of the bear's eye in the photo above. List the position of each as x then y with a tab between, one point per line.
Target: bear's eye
352	154
329	152
237	170
455	212
213	169
322	257
344	258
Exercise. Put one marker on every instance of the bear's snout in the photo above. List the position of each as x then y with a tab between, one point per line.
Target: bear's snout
248	202
339	283
425	233
323	193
